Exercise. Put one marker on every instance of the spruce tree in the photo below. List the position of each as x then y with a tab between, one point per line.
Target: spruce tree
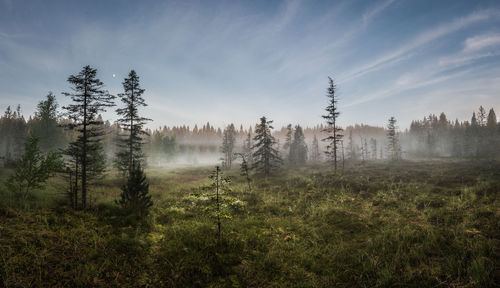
492	128
332	126
393	147
298	147
227	148
131	144
33	168
351	149
247	149
315	155
89	98
245	169
45	124
265	156
373	144
288	140
135	192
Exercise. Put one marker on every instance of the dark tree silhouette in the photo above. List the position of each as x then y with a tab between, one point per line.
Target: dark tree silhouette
131	144
89	98
45	124
393	147
33	168
135	192
288	140
265	156
331	120
298	148
227	148
315	155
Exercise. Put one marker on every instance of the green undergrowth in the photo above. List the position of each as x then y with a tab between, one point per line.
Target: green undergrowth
411	224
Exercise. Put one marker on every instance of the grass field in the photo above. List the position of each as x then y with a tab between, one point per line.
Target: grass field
411	224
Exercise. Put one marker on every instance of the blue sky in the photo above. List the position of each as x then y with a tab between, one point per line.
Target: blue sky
234	61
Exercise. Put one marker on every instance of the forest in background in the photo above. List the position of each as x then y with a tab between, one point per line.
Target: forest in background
433	136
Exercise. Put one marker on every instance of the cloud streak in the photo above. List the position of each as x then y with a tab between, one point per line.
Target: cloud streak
419	41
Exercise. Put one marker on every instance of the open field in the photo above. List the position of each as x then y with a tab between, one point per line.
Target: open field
425	224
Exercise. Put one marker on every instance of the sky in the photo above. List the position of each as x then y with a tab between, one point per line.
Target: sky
235	61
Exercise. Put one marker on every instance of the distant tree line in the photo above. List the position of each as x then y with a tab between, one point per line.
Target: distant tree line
436	136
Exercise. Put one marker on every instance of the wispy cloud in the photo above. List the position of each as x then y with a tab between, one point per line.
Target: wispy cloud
419	41
370	14
481	42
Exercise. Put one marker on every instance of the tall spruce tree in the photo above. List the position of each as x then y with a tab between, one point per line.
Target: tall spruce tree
131	143
33	168
89	98
373	145
393	146
315	155
265	156
351	149
135	192
247	149
298	148
493	135
332	126
227	148
288	140
45	124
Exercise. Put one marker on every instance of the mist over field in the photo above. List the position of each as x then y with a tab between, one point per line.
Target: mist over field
249	143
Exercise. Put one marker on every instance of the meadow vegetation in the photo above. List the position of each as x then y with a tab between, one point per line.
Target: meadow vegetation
380	224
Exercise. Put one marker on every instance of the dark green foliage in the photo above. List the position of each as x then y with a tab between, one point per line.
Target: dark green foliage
265	157
135	192
245	170
298	147
33	169
315	154
437	137
352	148
89	99
393	146
288	139
45	124
227	148
130	145
13	131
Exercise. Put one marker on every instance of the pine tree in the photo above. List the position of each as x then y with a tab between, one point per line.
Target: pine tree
33	168
373	145
227	148
474	135
331	120
131	144
298	147
17	133
265	156
245	169
89	99
45	124
315	155
393	147
492	128
135	192
351	149
7	134
481	116
367	152
247	149
288	140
